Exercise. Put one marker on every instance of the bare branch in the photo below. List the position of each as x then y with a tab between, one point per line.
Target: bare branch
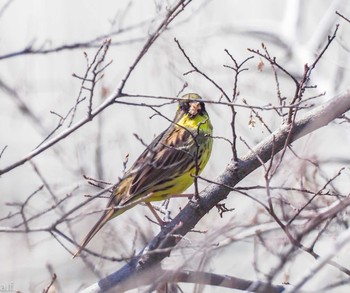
342	16
109	100
197	277
186	220
53	279
341	241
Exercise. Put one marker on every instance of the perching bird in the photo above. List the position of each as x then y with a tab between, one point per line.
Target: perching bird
167	166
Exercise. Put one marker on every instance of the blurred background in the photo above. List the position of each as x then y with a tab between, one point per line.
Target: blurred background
42	44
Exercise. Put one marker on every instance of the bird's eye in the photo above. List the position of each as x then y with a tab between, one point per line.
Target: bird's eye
185	106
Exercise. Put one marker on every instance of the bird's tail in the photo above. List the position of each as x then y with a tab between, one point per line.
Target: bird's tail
107	215
112	210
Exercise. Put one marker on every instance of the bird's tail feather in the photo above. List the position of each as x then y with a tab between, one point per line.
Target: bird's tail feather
108	214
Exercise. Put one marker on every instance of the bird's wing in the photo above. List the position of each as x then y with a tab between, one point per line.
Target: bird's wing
165	157
168	155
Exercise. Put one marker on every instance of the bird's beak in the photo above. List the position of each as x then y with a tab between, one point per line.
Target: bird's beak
195	108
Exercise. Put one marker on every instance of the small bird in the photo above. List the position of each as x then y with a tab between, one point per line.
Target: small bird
167	166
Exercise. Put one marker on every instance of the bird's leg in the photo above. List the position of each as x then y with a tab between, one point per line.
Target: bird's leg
155	214
159	220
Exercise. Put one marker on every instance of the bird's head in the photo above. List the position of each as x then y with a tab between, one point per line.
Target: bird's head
192	106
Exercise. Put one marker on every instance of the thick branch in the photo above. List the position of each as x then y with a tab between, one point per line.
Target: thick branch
157	277
161	246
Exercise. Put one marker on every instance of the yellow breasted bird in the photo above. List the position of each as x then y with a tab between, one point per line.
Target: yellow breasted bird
167	166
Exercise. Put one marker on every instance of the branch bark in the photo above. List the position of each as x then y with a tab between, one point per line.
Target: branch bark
156	277
162	244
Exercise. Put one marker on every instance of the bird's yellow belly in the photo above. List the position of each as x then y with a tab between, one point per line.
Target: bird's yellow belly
179	184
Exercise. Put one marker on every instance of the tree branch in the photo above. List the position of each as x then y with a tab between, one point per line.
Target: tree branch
162	244
156	277
111	99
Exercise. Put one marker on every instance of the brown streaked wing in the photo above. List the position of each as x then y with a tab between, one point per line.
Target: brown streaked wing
161	160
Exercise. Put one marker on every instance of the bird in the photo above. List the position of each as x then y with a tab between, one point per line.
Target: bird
168	165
